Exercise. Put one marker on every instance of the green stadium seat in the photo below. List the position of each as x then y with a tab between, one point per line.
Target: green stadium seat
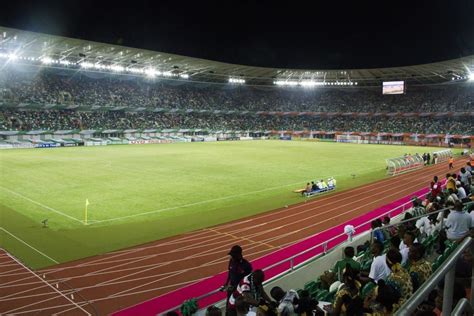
366	289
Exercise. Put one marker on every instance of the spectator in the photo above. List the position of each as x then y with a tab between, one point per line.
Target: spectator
435	187
466	178
237	268
458	223
348	300
378	234
408	240
398	277
339	267
461	193
251	289
287	301
419	268
378	269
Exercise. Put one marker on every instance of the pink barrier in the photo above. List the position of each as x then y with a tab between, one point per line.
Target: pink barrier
175	298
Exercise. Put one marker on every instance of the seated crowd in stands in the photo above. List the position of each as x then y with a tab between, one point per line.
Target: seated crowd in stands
51	86
26	120
383	274
208	106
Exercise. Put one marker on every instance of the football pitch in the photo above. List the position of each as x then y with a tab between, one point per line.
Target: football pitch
142	193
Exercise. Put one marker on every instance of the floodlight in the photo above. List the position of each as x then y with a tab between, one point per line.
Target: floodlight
184	76
150	72
117	68
86	65
46	60
471	76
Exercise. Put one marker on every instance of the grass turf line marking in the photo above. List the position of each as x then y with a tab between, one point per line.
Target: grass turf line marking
143	248
346	212
30	246
42	205
211	200
52	287
313	201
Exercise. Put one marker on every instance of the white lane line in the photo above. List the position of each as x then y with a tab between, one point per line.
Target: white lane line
133	250
42	205
52	287
30	246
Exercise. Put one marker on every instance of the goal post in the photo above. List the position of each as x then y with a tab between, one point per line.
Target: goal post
344	138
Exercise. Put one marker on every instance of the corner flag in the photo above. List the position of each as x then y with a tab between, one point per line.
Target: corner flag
85	213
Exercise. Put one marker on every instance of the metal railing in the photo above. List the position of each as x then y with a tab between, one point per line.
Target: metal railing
292	259
463	306
446	271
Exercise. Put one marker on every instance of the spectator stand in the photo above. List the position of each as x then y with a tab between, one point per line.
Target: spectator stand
309	258
447	272
404	164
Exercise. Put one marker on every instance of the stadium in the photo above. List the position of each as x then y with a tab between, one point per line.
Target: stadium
129	176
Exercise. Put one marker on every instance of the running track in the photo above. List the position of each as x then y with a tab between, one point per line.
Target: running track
113	281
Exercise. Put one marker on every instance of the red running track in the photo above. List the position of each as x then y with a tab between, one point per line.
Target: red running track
119	279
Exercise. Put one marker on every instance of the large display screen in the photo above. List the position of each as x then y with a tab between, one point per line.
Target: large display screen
393	87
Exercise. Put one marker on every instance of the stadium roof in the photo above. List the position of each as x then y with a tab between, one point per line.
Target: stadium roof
57	51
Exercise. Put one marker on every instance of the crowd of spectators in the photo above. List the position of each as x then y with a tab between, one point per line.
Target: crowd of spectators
178	104
384	273
70	119
49	86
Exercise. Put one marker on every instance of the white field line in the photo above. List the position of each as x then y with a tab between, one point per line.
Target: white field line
259	224
108	282
42	205
52	287
379	192
114	281
227	243
30	246
213	200
185	270
303	238
265	215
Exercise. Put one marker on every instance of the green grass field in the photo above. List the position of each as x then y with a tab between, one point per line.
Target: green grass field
147	192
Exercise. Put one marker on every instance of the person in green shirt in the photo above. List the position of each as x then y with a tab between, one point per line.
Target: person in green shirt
348	259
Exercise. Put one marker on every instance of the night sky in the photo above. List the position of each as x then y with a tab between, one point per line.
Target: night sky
288	34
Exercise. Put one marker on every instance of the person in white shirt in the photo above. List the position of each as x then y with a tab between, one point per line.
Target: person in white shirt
461	192
379	269
285	300
458	223
330	182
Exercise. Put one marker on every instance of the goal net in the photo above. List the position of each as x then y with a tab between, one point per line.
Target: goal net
349	139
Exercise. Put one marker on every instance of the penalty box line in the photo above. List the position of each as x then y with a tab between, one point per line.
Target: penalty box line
211	200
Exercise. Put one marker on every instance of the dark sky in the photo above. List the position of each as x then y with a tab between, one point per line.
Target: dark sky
289	34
